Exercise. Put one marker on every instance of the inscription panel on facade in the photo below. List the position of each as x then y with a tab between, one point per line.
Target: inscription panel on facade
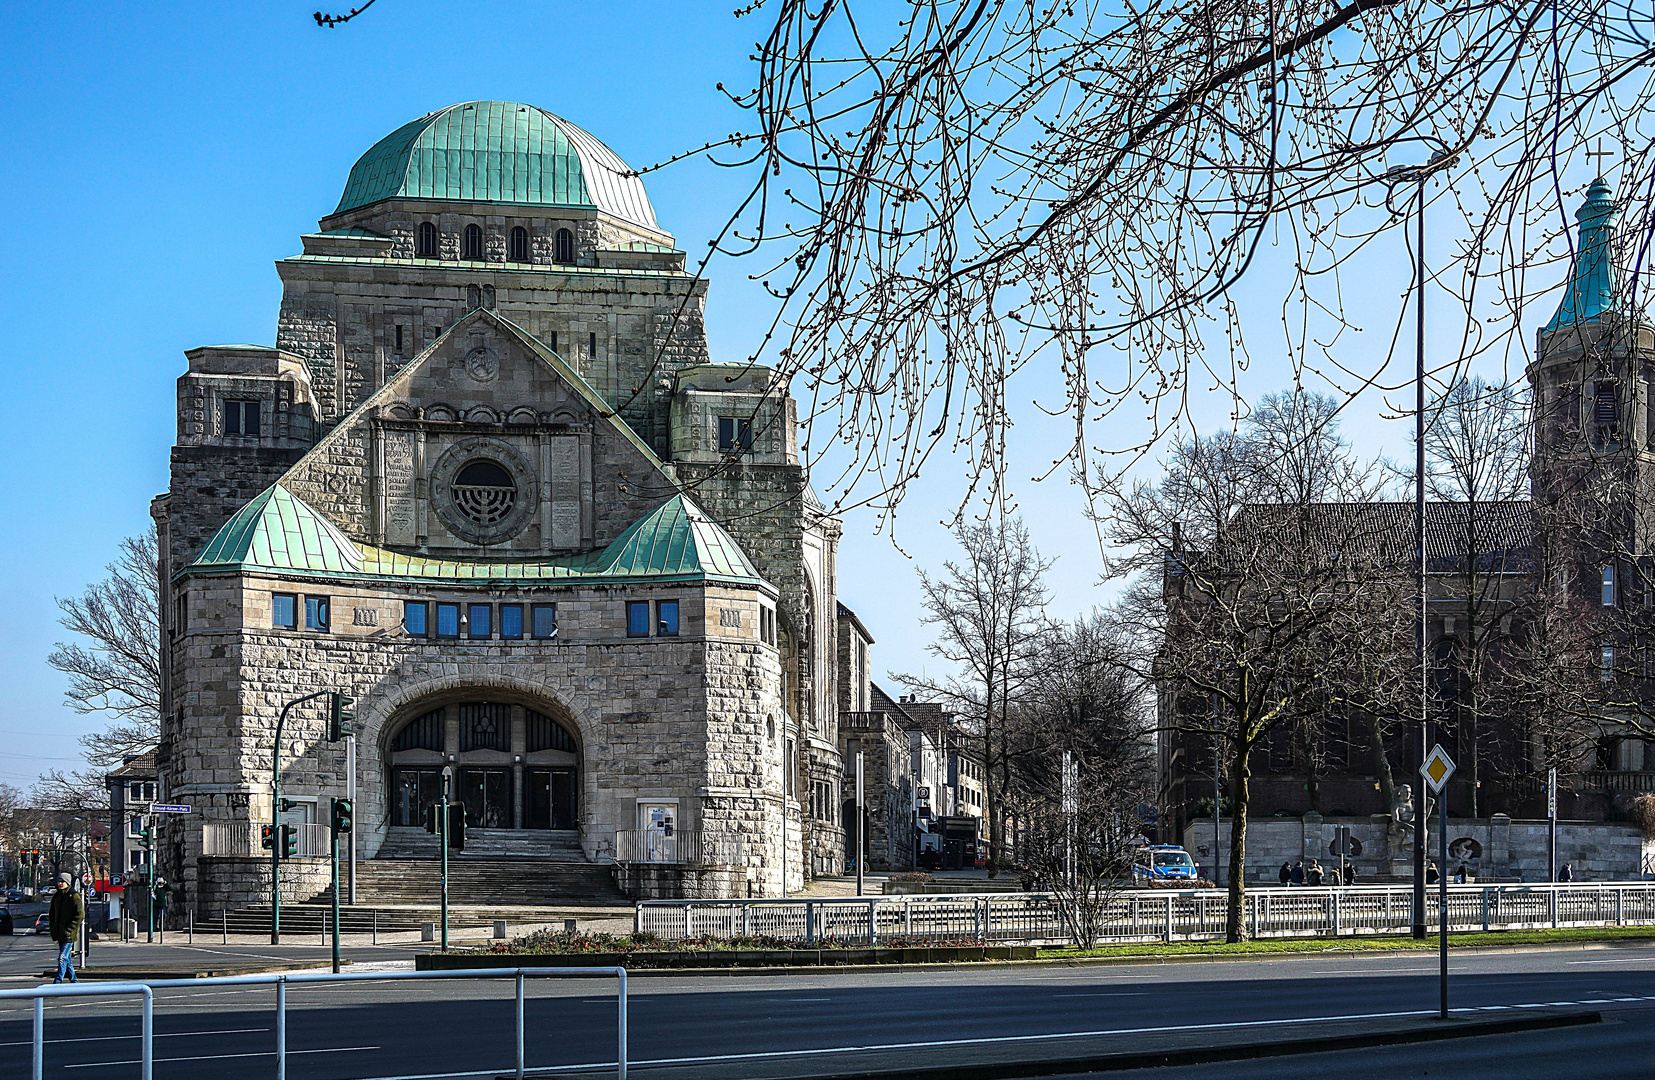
399	487
566	491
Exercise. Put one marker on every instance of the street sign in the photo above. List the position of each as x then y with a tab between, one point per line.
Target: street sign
86	879
168	808
117	879
1551	793
1437	769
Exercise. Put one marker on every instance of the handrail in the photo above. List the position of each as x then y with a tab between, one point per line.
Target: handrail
147	988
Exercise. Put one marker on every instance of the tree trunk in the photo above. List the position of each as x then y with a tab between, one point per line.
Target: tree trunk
989	792
1381	766
1235	925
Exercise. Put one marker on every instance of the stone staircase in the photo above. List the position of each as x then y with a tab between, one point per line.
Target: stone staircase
498	882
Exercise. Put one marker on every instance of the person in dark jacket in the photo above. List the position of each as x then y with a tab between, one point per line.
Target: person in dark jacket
1430	873
1459	874
1350	873
1296	876
1313	874
1286	874
1565	873
63	920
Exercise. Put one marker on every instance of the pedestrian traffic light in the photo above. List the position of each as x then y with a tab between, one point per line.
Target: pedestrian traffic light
267	836
290	841
341	815
289	804
341	716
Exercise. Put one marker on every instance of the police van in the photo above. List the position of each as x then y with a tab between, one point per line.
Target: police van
1162	862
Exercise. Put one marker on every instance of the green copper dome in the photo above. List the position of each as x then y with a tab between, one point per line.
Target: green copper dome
499	152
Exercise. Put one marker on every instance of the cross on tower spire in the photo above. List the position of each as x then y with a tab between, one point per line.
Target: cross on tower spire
1599	152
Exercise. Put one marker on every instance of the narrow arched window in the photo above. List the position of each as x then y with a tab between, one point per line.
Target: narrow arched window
519	244
425	242
565	246
1609	585
473	242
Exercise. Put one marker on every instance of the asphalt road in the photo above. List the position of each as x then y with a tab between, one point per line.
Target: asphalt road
740	1026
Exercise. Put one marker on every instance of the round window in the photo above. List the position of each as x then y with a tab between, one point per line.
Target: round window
484	492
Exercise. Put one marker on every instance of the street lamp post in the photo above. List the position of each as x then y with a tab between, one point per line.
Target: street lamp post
1419	175
276	818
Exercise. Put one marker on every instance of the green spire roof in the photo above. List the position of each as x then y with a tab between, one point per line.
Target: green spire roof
279	531
501	152
1591	292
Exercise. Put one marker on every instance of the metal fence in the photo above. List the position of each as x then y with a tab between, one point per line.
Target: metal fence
685	848
147	990
241	839
1150	915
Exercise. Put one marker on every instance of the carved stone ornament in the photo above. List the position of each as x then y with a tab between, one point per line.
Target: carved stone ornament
481	364
484	490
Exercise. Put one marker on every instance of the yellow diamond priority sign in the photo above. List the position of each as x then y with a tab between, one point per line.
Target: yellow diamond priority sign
1437	769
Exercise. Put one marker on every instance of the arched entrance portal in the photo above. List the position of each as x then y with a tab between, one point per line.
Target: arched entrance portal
514	766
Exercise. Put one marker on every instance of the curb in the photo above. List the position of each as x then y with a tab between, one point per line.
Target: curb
112	974
1206	1055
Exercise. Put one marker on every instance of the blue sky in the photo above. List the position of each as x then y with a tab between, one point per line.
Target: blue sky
163	156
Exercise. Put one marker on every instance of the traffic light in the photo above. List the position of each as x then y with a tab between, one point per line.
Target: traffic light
267	836
289	804
290	841
341	815
341	716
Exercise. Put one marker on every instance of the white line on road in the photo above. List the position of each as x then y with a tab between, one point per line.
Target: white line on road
223	1057
134	1035
1104	993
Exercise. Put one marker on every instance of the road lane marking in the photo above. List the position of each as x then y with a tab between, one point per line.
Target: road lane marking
1618	960
1104	993
134	1035
223	1057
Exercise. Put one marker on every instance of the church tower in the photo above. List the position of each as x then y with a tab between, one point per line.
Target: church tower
1593	472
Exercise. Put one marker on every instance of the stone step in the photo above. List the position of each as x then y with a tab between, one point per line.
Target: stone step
403	842
502	881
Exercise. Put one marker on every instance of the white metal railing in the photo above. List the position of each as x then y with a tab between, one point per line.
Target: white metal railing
1151	915
242	839
686	848
147	989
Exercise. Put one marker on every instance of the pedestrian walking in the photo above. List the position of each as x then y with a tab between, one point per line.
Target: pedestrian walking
1431	874
1296	876
1459	875
1313	874
1286	874
1350	873
1565	873
63	920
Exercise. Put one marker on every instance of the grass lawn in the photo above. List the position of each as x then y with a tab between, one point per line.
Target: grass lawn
1364	944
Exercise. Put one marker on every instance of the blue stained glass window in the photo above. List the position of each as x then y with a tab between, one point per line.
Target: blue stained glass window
282	610
637	618
511	620
448	620
316	613
414	616
669	618
477	621
545	620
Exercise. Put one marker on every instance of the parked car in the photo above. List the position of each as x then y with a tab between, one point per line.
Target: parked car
16	896
5	922
1162	862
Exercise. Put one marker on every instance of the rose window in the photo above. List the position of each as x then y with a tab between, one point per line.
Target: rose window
484	492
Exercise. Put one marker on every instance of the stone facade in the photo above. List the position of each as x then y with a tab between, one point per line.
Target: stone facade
500	504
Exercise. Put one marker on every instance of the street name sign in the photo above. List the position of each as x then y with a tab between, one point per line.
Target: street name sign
168	808
1437	769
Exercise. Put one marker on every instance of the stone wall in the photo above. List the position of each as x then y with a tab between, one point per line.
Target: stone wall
229	884
1493	849
686	718
673	881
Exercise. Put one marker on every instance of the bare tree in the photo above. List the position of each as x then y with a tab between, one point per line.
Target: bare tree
1477	474
1247	601
989	615
1084	710
952	194
116	668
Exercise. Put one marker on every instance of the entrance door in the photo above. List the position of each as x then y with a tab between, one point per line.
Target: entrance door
658	824
487	797
412	790
549	798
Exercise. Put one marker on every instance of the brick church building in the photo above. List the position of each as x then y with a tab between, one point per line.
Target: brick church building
490	482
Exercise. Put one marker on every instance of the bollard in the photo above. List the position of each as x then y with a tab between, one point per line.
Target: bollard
499	929
191	915
428	932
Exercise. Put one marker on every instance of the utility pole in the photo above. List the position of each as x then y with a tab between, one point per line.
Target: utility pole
350	796
447	775
277	843
1419	551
